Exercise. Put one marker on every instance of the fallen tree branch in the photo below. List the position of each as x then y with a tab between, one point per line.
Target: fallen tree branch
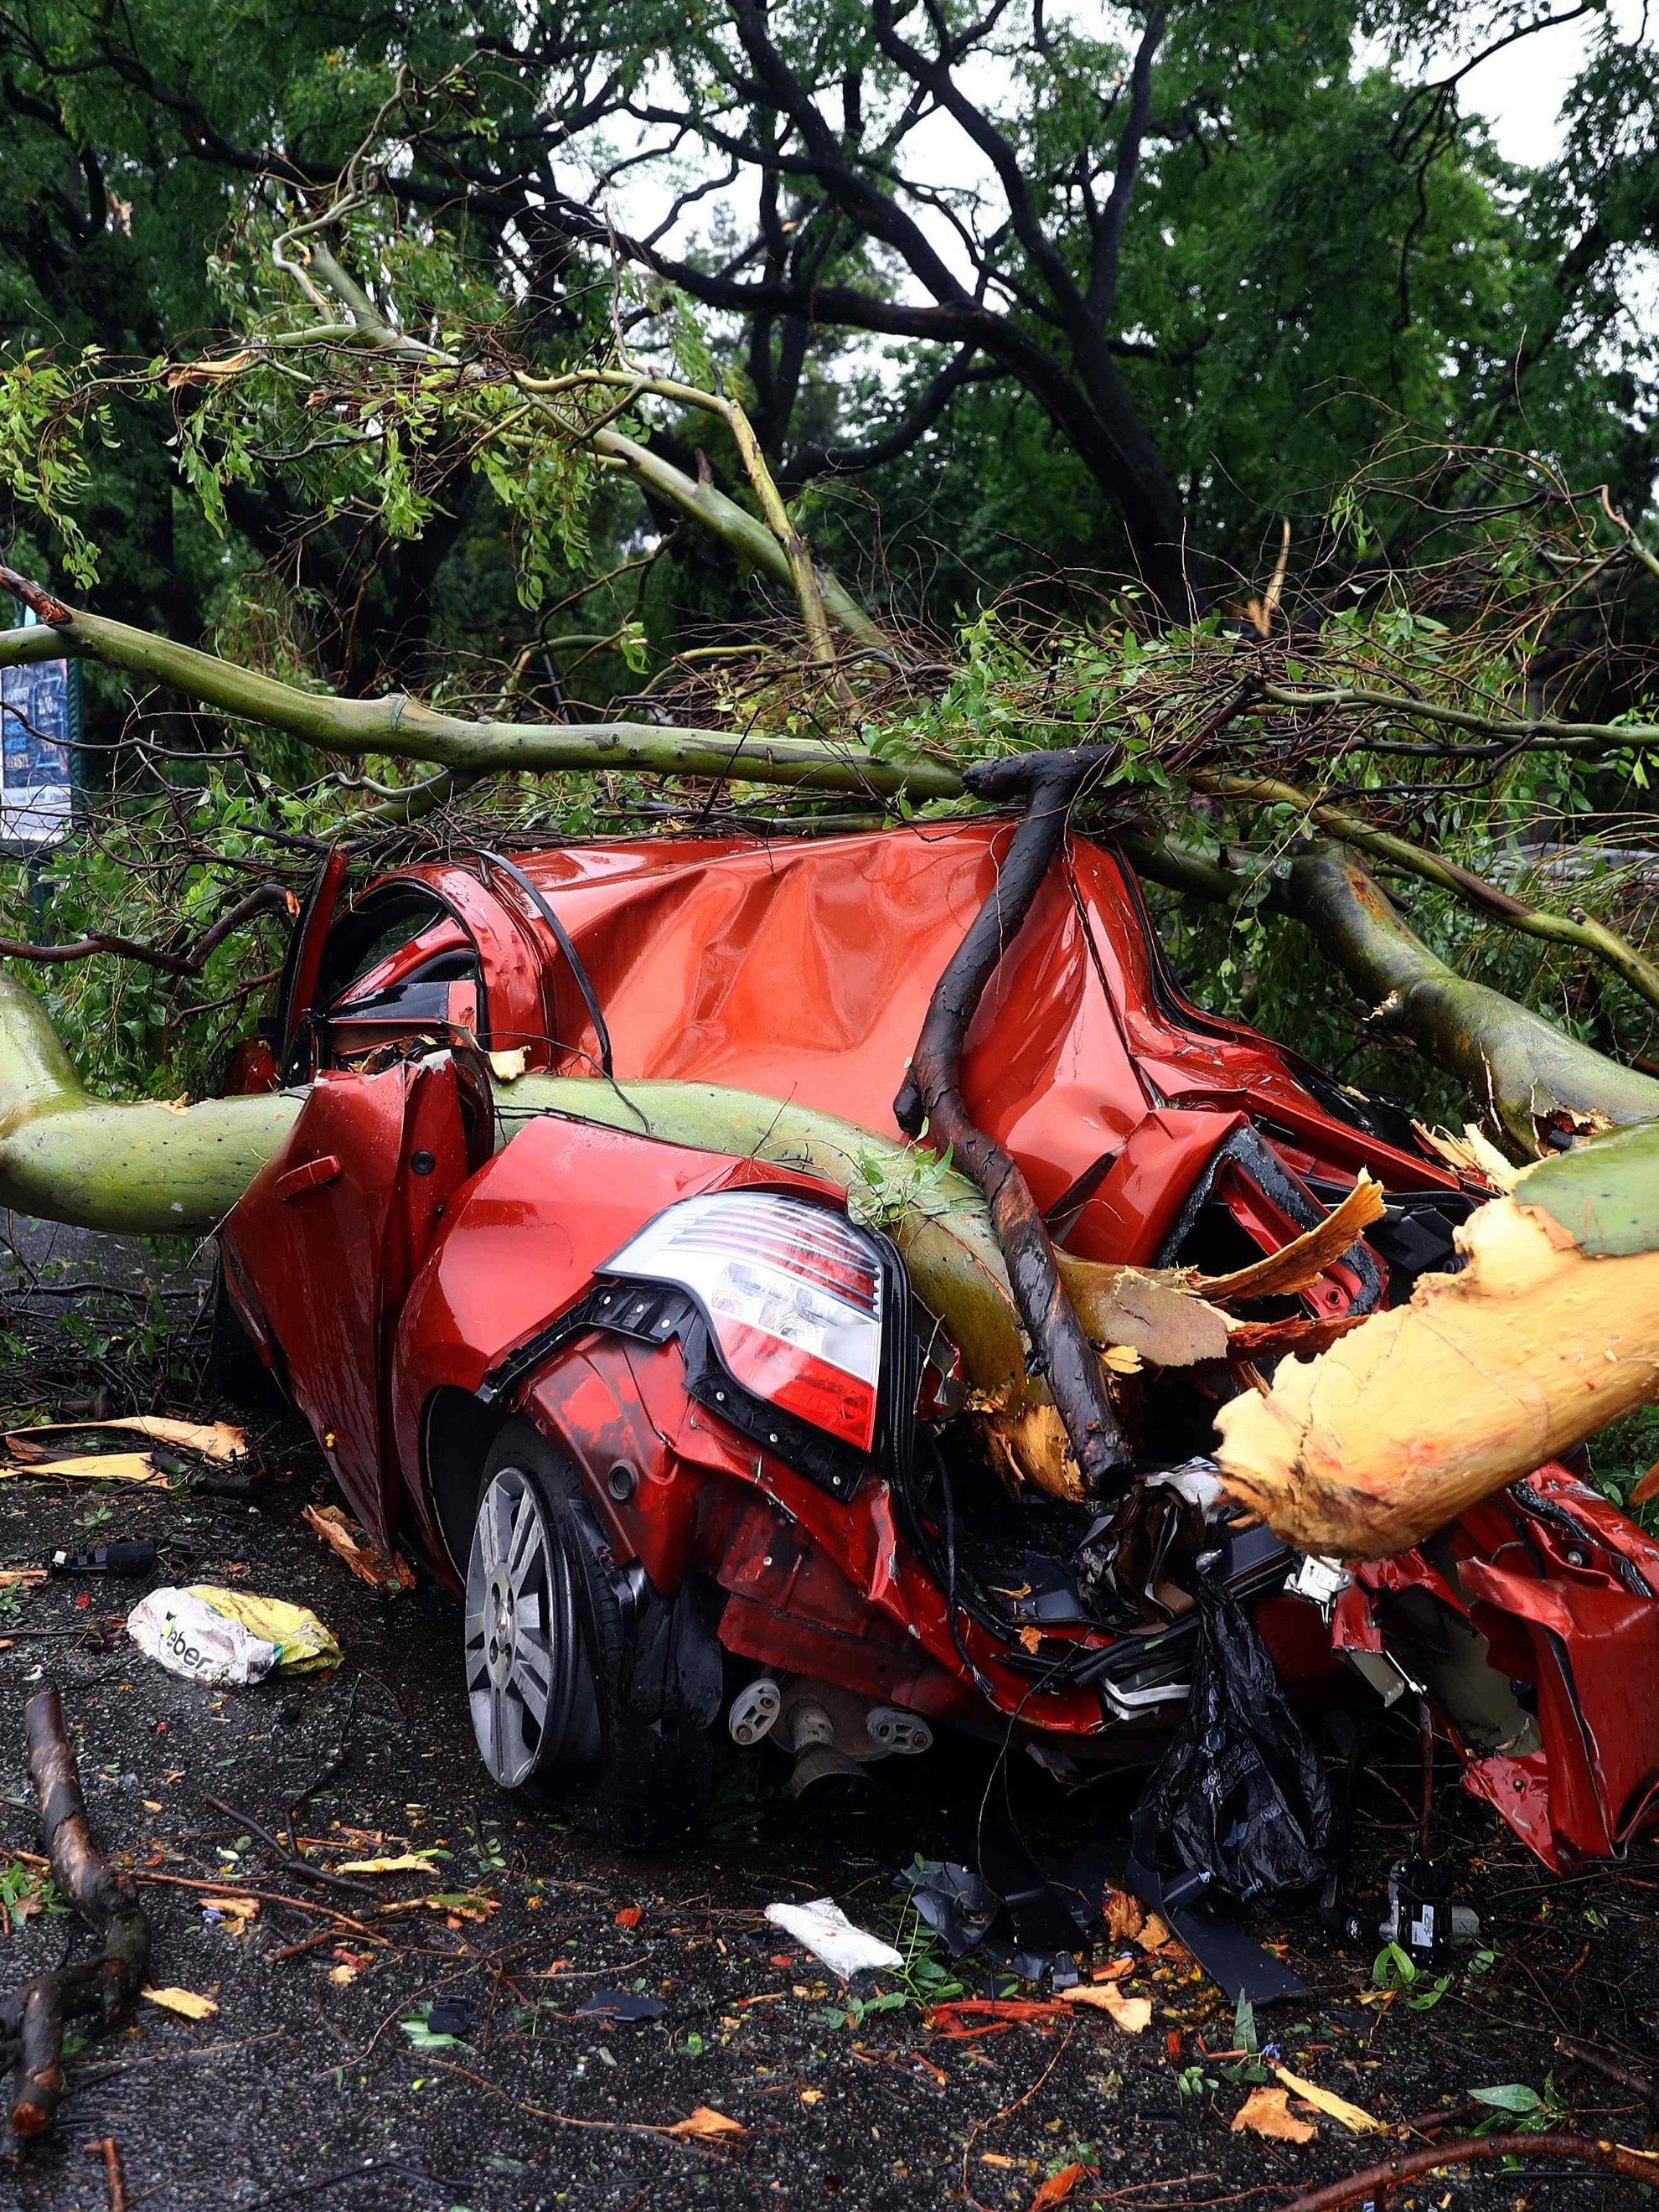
32	2020
1525	1074
1529	733
1529	1075
400	727
931	1098
1583	934
294	1862
264	898
1472	2150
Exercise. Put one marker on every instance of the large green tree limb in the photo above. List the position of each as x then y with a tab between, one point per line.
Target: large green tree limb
1579	932
1521	1069
400	727
1518	1068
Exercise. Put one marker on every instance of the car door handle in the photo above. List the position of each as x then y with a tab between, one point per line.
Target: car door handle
311	1175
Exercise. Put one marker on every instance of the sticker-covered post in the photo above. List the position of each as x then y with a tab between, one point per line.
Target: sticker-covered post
40	731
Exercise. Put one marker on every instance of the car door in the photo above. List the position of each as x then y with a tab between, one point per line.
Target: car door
322	1247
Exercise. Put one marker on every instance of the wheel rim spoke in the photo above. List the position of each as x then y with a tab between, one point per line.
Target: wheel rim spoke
525	1545
522	1641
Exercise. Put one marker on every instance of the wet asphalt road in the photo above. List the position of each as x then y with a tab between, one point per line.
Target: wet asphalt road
315	2083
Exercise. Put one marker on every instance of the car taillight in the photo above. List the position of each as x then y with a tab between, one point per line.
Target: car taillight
793	1296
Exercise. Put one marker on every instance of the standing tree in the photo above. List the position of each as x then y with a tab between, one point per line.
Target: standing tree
1160	272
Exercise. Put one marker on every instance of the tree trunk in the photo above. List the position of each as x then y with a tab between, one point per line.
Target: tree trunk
1550	1332
1528	1075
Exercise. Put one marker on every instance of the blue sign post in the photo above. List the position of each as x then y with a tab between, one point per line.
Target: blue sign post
40	726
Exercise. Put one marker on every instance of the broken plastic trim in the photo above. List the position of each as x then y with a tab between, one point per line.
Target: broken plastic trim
1248	1150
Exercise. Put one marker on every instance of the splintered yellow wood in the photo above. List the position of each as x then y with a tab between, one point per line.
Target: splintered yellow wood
1422	1412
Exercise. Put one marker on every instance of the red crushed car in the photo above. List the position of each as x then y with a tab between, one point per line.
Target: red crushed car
680	1433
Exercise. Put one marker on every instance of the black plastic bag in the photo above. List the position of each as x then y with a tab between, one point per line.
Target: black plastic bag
1241	1794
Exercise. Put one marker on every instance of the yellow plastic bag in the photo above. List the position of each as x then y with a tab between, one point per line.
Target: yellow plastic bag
302	1642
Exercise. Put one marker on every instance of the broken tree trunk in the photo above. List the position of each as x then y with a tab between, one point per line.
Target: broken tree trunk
145	1168
1550	1332
32	2020
1529	1075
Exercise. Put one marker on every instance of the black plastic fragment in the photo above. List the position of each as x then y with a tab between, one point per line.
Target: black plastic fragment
1240	1799
1011	1910
621	2005
130	1555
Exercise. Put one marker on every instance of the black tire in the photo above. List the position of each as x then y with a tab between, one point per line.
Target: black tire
234	1368
551	1639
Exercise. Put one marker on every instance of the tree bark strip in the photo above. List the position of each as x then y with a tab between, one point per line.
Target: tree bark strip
32	2019
932	1096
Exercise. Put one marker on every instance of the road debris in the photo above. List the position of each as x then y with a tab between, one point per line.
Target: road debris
129	1557
1354	2118
1059	2186
829	1935
185	2002
138	1469
32	2019
707	2125
215	1440
368	1560
627	2005
1267	2112
227	1639
1132	2014
105	2148
402	1862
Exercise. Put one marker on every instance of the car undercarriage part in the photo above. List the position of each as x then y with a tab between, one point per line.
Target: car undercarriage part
754	1711
931	1098
815	1714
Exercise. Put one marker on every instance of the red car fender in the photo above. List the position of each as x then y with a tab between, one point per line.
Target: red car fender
519	1246
643	1494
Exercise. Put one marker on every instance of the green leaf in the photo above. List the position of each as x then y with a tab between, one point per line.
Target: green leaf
1509	2097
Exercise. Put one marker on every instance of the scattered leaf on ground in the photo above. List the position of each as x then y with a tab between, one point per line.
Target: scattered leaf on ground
1354	2118
707	2125
1267	2112
183	2002
1154	1933
406	1862
1132	2014
1058	2187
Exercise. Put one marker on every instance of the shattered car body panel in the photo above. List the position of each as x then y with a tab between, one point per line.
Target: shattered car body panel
413	1287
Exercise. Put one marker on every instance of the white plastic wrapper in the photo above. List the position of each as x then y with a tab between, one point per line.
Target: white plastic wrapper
829	1935
183	1633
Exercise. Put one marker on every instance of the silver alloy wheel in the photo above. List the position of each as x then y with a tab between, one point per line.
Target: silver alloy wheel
521	1629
